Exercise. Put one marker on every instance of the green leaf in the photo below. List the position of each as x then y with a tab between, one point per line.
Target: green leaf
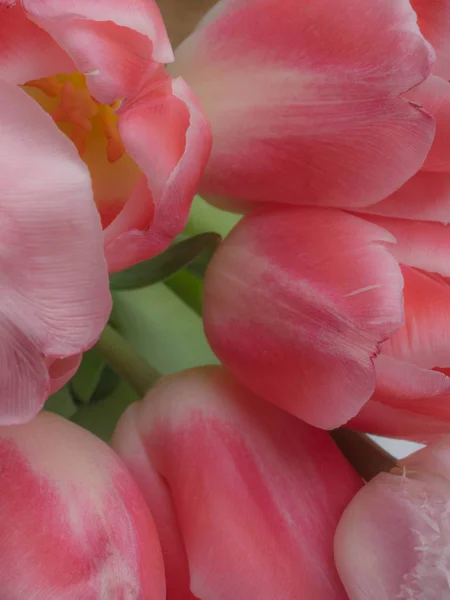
85	381
62	403
162	328
188	287
166	264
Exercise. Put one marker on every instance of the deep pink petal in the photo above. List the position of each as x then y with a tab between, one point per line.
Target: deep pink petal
434	96
393	539
166	133
117	43
296	304
434	23
73	524
53	284
419	244
256	493
304	99
26	51
426	196
61	370
409	402
424	338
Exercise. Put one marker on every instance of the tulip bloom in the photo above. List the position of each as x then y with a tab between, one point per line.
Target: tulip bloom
393	539
97	67
299	303
308	100
72	522
246	498
54	299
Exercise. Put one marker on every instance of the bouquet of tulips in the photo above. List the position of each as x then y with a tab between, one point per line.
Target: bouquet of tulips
221	270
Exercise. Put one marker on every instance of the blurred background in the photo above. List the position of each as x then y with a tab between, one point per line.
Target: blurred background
181	16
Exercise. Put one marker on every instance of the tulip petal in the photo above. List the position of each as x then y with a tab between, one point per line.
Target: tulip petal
419	244
166	133
256	493
296	304
26	51
393	539
84	529
426	197
434	96
118	44
409	402
434	23
304	99
54	284
424	338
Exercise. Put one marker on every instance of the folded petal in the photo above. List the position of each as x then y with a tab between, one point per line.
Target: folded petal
54	284
424	338
167	134
118	44
434	23
426	196
26	51
434	96
393	539
85	530
304	100
296	304
409	402
256	494
419	243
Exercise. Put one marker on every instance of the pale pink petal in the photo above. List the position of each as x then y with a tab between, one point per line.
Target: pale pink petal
54	286
118	44
26	51
434	23
409	402
434	96
256	493
393	539
424	338
296	304
73	524
166	133
426	196
419	243
304	99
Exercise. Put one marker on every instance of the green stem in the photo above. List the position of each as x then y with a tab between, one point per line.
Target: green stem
125	361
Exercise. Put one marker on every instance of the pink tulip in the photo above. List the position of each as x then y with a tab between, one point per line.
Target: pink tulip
97	66
54	293
307	99
311	310
246	498
73	525
393	539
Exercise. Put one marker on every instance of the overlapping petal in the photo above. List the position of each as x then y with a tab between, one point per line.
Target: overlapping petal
304	100
420	244
434	23
54	285
166	133
255	493
73	523
116	43
296	304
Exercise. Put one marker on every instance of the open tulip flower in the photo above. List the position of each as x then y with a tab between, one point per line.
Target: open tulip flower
97	67
245	497
321	310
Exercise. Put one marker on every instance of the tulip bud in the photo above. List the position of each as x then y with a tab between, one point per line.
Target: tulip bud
394	537
73	524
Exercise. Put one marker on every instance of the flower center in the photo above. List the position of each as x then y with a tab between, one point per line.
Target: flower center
78	114
93	128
